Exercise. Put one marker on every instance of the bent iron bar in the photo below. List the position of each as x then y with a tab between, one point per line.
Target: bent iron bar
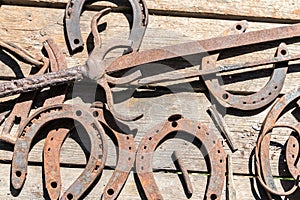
138	58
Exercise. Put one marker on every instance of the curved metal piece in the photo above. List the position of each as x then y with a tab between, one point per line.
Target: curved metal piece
249	102
210	142
72	19
96	65
52	146
292	154
126	150
40	119
262	149
22	53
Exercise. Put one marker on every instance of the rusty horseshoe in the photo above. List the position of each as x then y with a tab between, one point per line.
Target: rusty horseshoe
72	18
211	143
94	131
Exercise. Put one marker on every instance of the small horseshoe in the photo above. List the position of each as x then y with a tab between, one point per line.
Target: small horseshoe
249	102
94	131
262	148
211	143
72	19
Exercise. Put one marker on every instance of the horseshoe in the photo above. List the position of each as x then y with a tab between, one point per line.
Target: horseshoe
262	148
216	155
42	118
72	19
249	102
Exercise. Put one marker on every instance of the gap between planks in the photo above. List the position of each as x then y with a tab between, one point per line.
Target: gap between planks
175	11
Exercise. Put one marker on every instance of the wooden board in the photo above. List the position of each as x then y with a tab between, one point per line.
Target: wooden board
28	23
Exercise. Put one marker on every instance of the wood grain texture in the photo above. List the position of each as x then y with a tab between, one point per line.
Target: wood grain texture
258	10
28	23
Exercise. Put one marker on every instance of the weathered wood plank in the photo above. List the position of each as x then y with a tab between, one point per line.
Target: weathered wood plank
169	184
260	10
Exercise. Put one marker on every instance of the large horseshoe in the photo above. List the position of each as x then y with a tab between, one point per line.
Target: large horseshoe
249	102
262	149
216	155
72	17
40	119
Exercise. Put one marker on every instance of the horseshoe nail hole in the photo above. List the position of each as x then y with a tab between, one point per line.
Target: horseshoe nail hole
293	156
76	41
129	158
270	93
142	168
78	113
214	142
213	196
283	52
145	147
18	173
95	114
129	148
49	149
110	191
219	151
221	161
142	157
157	131
275	87
294	145
262	99
51	138
17	120
150	138
225	96
199	127
96	168
238	27
207	133
254	102
174	118
244	102
70	196
53	184
207	62
127	137
174	124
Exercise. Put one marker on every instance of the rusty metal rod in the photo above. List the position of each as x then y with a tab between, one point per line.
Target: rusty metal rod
170	76
222	127
37	82
180	164
204	46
